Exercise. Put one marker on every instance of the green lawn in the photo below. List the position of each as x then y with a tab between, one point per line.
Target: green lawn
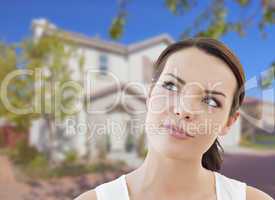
262	142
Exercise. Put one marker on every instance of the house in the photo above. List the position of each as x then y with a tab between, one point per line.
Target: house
120	75
258	117
9	135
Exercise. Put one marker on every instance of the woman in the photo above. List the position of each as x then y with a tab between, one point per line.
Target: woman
196	92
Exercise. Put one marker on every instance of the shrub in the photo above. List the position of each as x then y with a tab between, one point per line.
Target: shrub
69	170
141	150
39	161
70	157
129	145
38	167
2	142
108	138
102	147
23	153
102	166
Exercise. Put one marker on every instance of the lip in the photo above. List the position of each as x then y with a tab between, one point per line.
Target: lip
176	132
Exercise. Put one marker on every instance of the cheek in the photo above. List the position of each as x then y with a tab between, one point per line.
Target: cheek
220	119
217	118
207	128
210	125
159	103
158	109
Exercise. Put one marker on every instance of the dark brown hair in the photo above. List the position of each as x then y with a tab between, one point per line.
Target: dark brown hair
212	158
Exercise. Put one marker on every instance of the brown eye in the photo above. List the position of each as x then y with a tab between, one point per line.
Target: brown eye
211	101
169	85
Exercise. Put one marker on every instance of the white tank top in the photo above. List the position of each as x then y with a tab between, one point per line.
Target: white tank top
226	189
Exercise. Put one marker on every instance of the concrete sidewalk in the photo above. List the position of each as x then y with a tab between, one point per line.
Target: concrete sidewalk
10	188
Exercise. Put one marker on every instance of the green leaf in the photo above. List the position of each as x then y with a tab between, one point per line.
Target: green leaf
243	2
267	79
171	5
269	16
117	27
178	7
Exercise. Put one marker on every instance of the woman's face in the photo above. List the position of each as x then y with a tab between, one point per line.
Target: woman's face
181	99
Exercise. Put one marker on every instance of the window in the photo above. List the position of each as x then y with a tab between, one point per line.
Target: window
103	64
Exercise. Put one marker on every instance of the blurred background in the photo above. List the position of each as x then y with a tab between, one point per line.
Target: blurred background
73	87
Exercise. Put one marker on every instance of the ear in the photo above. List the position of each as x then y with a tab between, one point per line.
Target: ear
231	120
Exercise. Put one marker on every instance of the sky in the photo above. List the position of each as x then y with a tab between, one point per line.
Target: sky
145	19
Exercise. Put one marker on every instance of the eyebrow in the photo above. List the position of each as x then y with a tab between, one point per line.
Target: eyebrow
178	79
183	82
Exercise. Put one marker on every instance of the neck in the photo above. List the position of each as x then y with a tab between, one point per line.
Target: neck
167	174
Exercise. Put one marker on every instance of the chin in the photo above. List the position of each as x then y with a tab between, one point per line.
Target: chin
171	148
173	153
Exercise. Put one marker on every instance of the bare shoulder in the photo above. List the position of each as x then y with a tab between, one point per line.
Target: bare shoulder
253	193
89	195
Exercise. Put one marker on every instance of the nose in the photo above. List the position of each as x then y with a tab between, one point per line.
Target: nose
186	116
185	107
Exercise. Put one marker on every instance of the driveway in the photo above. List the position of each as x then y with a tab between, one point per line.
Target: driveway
255	170
9	187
